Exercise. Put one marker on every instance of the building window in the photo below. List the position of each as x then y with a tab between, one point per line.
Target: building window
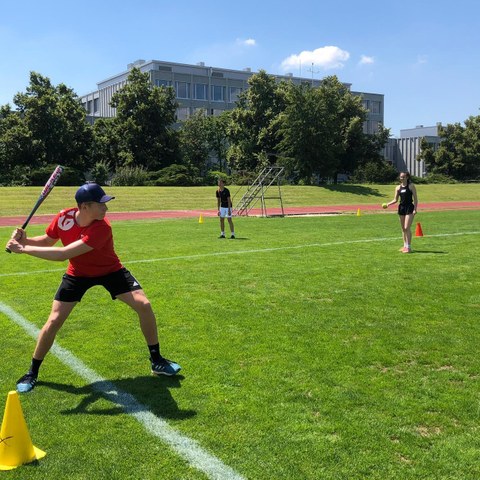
95	104
200	91
366	104
183	113
163	83
182	89
234	93
374	107
89	107
217	93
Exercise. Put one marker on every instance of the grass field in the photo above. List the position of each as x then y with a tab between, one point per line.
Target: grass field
19	200
311	349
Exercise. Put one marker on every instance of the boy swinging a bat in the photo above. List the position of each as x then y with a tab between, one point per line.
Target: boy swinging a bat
88	245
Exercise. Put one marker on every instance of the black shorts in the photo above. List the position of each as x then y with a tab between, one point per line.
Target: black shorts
72	288
406	209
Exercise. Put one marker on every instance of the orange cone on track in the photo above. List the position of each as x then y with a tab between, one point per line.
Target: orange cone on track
418	230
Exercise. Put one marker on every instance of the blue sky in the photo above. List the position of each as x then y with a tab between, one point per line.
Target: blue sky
422	55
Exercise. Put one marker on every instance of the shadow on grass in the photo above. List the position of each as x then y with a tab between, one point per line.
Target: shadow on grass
430	251
130	395
354	189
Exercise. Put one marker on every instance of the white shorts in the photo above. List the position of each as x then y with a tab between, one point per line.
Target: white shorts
224	212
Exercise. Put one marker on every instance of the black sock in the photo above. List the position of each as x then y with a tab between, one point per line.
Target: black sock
35	366
155	352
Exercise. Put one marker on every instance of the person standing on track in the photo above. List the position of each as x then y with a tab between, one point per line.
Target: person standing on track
407	208
88	245
224	206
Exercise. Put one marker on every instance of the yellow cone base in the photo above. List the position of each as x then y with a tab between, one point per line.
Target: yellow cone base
16	446
200	219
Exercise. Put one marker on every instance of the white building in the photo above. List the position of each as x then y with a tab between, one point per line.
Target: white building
203	87
403	151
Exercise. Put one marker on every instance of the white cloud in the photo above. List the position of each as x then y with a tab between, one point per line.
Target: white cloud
325	57
249	42
422	59
365	60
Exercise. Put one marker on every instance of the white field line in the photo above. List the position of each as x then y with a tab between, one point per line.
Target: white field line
243	252
189	449
32	272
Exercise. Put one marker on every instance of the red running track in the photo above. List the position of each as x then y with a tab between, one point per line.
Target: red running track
318	210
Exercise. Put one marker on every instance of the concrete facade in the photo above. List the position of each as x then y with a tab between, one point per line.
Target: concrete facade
204	87
402	152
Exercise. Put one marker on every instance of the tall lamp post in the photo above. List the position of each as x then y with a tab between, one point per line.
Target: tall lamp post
313	71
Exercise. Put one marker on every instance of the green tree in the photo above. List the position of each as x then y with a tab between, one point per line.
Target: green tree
142	126
447	158
107	144
251	129
320	130
17	150
217	137
47	127
471	149
427	154
203	142
458	155
194	143
363	156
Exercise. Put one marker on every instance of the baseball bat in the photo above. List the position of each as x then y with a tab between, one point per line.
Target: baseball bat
46	190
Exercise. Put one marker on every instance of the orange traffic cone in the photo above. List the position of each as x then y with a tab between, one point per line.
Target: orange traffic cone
418	231
16	446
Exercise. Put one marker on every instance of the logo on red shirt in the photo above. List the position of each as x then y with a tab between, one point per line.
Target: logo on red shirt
66	222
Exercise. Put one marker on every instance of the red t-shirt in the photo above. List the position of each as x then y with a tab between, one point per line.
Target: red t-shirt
102	260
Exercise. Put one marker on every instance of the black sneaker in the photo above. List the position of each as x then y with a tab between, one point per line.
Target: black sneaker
27	382
232	236
222	236
165	367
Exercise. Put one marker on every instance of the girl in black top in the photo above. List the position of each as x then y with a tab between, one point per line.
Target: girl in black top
407	193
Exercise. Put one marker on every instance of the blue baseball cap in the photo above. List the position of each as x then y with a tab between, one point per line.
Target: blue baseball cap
92	192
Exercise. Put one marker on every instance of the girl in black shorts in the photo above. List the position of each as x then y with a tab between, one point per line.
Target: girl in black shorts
407	208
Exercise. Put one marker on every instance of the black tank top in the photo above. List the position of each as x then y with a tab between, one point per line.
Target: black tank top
406	195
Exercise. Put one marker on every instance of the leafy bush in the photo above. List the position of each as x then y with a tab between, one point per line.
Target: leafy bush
373	172
130	176
418	180
439	178
69	177
173	175
243	177
213	175
18	176
100	173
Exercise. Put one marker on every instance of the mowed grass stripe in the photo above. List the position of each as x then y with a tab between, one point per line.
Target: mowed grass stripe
184	446
243	252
